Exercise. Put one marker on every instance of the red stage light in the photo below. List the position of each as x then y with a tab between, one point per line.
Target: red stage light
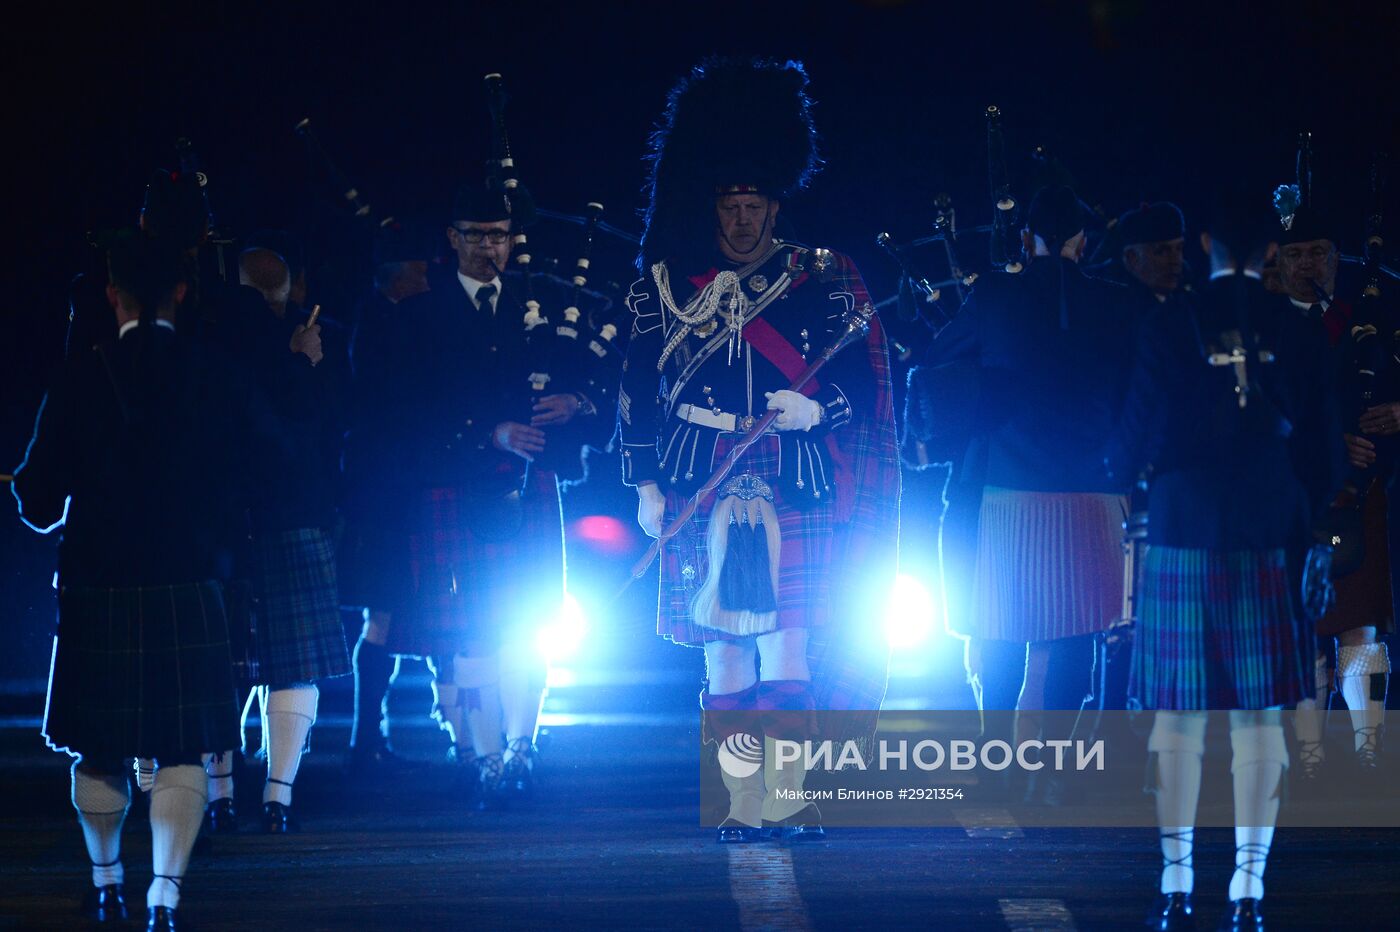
606	533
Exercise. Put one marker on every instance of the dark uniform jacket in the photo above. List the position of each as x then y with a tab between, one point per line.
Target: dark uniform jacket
311	404
672	371
150	447
1226	477
1052	349
434	379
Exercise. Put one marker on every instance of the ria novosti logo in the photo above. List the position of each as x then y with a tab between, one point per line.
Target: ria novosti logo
741	755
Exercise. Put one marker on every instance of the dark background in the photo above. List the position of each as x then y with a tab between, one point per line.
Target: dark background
1139	100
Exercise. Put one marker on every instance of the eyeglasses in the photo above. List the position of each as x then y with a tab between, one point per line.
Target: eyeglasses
474	236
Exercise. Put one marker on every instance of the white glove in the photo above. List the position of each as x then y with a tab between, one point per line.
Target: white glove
651	505
795	411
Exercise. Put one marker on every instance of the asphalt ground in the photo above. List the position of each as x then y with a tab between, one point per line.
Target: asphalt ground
613	840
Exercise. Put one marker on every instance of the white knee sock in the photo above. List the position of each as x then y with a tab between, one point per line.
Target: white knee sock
219	769
746	801
102	801
290	715
480	678
522	676
1310	716
177	808
447	709
790	778
1178	740
1260	757
1364	673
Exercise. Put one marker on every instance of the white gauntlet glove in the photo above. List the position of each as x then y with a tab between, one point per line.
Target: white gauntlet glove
795	411
651	505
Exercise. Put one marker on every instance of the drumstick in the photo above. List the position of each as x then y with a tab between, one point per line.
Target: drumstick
315	313
6	477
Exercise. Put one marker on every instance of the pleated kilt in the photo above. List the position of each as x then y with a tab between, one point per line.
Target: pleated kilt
299	635
1363	597
803	563
141	672
474	584
1049	564
1218	631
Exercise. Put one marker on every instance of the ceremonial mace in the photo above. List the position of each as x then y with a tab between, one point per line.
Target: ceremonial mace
857	327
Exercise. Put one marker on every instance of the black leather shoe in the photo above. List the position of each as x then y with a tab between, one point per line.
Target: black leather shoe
734	832
466	774
105	904
1244	916
160	919
491	792
220	817
1173	913
518	775
800	827
278	819
374	763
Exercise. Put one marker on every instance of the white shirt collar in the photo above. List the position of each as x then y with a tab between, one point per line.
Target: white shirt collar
130	325
1305	306
472	286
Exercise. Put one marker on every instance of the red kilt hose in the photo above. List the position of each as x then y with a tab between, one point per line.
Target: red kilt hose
480	572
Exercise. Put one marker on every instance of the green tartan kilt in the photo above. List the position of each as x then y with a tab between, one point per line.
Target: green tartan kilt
142	672
1218	630
299	637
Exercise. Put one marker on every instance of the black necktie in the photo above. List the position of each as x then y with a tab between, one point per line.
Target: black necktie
484	294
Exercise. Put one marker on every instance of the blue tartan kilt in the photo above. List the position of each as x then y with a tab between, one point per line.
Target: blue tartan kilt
141	672
299	637
804	581
1218	630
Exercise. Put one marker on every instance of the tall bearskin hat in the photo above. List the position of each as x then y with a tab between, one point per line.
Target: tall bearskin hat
732	126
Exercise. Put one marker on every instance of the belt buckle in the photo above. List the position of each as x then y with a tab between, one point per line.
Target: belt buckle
746	423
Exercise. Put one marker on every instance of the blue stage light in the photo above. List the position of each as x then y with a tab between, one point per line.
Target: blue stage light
564	634
909	613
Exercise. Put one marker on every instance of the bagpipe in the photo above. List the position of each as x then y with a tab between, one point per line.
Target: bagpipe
1375	344
347	191
570	350
1339	547
943	403
217	242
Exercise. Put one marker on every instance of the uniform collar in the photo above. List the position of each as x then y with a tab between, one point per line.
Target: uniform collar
130	325
472	286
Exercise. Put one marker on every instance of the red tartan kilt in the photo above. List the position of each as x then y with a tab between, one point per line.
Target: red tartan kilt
803	580
476	587
1363	597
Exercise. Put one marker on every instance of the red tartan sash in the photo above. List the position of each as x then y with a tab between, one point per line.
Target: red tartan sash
778	350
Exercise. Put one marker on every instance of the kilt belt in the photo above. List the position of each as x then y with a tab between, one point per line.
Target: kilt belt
717	419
